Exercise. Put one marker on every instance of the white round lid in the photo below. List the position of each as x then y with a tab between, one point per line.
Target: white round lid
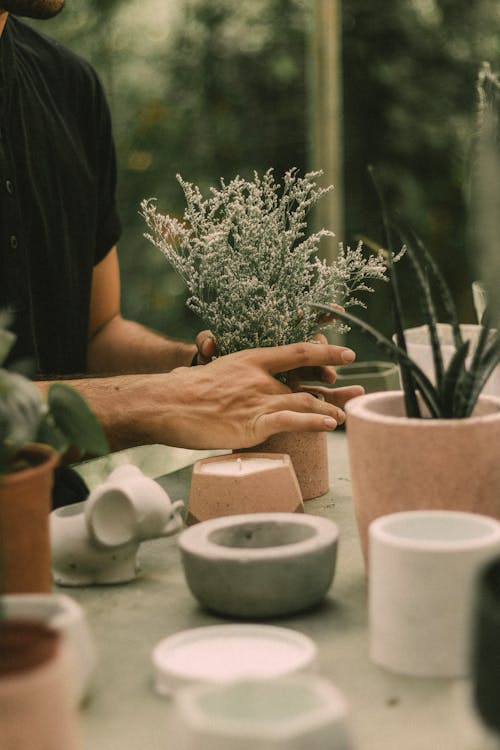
221	653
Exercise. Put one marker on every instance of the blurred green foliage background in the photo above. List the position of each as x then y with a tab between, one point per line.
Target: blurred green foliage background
212	88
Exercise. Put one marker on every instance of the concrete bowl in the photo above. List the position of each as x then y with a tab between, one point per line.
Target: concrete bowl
261	564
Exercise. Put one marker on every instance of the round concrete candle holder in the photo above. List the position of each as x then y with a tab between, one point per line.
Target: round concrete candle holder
243	483
290	713
260	565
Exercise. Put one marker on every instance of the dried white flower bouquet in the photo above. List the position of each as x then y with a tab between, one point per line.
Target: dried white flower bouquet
248	263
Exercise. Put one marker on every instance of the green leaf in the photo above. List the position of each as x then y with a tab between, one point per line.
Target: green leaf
428	309
426	388
49	434
442	290
410	396
75	420
451	380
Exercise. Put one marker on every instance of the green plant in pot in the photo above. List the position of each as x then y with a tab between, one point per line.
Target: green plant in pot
34	433
433	445
251	268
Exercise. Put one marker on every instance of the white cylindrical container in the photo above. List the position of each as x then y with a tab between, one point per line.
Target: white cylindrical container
423	569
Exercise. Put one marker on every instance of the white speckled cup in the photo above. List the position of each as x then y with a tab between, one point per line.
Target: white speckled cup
423	570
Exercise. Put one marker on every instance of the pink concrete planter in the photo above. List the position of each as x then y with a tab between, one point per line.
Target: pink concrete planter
309	454
402	464
243	483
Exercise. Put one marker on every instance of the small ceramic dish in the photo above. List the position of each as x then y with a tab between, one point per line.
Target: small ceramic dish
225	653
260	565
291	713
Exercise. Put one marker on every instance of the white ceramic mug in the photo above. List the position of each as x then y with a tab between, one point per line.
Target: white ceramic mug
423	570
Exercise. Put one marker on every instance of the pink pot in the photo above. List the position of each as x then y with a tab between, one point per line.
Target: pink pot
411	464
309	454
36	704
263	483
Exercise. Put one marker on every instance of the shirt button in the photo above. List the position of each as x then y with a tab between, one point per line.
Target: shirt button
9	186
13	242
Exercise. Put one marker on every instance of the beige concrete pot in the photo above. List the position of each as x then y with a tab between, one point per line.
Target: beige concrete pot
309	454
402	464
243	483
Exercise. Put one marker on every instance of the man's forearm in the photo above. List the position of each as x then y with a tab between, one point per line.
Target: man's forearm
127	406
123	346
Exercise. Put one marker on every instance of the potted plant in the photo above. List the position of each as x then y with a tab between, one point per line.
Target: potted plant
252	269
431	445
33	435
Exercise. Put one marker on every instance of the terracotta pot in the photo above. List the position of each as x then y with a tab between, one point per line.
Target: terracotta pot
25	502
401	464
309	454
244	483
35	702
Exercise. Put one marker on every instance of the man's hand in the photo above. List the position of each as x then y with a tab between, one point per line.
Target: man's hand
206	346
233	402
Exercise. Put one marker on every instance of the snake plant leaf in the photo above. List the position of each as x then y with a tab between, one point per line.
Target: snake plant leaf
485	336
75	420
451	379
409	390
428	308
442	289
411	402
426	388
410	396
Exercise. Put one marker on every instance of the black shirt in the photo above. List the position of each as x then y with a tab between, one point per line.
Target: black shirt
57	195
